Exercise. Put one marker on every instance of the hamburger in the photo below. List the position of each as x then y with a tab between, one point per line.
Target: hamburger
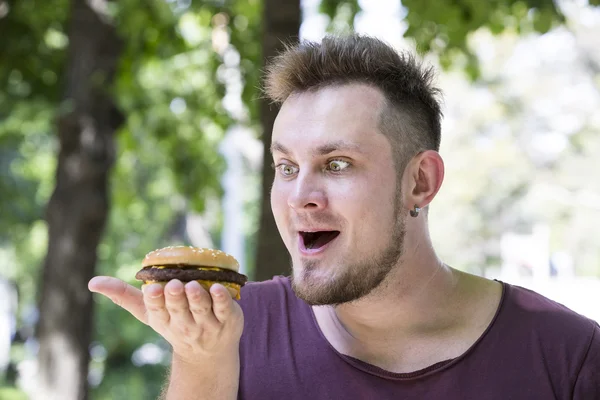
187	263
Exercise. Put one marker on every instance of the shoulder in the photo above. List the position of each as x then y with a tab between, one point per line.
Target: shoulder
271	294
587	385
535	309
274	287
551	325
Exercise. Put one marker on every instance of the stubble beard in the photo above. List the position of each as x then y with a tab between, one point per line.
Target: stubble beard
351	281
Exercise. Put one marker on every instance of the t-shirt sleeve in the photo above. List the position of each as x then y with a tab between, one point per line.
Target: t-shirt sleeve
587	385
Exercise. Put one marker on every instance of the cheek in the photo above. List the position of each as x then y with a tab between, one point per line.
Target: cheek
353	205
278	202
373	209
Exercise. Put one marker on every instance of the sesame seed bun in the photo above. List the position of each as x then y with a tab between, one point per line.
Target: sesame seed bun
191	256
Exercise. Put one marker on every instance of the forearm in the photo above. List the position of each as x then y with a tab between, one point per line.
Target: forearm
216	379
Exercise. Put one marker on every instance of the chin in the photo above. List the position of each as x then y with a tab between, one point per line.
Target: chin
319	287
319	282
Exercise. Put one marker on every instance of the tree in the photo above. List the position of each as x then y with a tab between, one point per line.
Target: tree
168	87
281	25
81	78
78	208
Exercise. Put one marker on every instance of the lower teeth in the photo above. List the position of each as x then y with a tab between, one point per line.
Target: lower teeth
310	244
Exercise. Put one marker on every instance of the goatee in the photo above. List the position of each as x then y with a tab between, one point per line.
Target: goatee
350	281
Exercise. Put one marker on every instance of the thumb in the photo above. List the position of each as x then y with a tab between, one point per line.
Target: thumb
122	294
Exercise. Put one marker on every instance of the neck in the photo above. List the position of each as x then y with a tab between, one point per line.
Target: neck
424	312
416	299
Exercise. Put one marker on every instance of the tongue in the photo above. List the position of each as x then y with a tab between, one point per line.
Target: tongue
322	238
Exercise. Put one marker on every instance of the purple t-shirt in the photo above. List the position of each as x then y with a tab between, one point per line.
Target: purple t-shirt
534	349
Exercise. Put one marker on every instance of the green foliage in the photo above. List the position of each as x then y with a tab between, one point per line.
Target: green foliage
121	336
125	382
168	162
443	26
244	26
29	78
11	393
341	14
32	60
170	89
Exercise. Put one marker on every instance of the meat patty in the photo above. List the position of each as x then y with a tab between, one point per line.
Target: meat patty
189	274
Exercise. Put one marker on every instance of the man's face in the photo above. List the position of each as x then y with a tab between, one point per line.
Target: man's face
335	196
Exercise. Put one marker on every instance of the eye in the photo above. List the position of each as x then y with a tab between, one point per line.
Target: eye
337	165
287	170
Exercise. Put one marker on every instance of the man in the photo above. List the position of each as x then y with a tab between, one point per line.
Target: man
370	312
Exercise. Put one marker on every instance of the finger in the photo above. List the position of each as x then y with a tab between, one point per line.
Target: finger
222	303
122	294
177	305
200	304
154	300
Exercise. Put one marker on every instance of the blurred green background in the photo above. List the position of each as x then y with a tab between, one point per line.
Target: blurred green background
118	120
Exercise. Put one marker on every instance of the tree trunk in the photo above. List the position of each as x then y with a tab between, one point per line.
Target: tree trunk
78	209
281	19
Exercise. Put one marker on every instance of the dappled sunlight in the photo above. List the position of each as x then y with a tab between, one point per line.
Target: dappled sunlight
520	141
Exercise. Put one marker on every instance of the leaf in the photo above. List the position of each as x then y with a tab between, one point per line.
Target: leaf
451	22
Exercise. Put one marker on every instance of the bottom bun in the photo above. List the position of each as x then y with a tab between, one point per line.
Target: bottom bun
232	288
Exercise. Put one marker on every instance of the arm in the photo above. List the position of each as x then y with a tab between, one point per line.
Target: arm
198	382
204	330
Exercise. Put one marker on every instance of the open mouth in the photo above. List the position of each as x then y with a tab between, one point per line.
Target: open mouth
316	240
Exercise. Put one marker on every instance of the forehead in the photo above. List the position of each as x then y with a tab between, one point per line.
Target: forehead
349	113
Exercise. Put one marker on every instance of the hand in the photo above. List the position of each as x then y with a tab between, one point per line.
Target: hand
199	325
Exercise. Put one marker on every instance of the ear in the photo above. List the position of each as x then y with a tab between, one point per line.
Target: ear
423	178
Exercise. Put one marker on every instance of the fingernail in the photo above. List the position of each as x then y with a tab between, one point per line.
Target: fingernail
93	282
192	291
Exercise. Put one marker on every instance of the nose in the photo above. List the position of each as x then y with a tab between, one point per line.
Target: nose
307	194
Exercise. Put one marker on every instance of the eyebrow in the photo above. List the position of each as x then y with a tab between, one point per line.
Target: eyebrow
338	145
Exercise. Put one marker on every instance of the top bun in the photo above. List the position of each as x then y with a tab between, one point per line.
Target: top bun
191	256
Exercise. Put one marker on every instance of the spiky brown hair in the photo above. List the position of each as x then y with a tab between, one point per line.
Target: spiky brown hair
411	118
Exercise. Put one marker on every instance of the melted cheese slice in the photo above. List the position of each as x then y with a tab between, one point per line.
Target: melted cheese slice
198	268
